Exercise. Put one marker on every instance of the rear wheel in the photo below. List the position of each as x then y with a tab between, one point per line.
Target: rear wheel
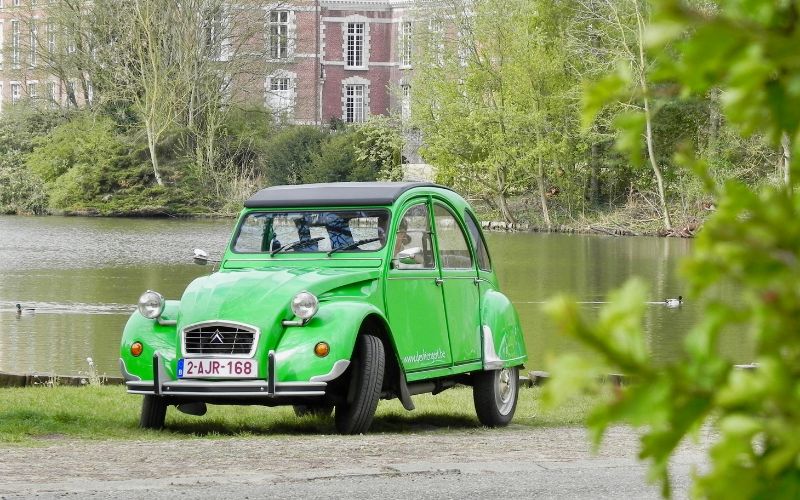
154	411
315	410
495	395
354	415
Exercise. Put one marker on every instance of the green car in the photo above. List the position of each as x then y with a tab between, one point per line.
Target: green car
334	296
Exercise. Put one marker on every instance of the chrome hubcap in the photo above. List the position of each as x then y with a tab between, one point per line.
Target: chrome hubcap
505	390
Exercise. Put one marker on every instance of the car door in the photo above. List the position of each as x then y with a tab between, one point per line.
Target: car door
414	300
459	285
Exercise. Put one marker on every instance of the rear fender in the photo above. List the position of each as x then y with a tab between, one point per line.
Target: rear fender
503	340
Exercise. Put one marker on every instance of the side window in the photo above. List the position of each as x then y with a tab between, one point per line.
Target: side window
412	245
478	245
453	248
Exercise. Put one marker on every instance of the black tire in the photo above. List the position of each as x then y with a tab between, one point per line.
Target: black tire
354	415
495	395
154	411
321	410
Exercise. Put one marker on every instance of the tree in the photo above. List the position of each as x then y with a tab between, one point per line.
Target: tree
752	242
619	27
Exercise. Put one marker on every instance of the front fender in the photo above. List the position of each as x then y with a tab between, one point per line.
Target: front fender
337	323
154	337
505	334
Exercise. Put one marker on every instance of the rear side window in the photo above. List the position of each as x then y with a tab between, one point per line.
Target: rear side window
478	245
453	246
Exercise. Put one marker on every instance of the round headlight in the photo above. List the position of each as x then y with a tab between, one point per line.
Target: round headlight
305	305
151	304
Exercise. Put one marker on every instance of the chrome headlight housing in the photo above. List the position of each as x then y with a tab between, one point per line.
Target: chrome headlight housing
305	305
151	304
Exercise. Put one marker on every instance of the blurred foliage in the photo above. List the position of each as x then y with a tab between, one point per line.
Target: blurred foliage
744	52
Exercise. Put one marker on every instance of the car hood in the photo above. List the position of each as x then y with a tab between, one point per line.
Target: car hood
260	297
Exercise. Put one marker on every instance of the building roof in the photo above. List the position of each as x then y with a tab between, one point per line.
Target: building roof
333	194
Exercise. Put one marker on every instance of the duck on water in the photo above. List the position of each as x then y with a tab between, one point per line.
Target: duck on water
21	309
674	302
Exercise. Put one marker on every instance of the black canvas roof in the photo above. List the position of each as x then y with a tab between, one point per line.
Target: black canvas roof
332	194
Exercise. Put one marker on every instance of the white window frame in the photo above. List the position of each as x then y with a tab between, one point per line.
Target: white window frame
405	102
15	44
50	29
33	35
2	38
406	43
355	44
281	94
51	94
279	27
31	86
16	92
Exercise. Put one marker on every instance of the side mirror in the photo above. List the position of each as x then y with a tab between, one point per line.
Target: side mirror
200	257
408	257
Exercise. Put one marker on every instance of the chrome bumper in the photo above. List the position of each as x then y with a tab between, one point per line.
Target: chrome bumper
163	385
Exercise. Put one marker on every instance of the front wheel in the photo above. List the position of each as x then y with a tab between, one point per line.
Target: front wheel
354	415
154	411
495	395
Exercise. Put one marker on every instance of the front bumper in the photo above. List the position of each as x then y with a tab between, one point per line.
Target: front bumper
163	385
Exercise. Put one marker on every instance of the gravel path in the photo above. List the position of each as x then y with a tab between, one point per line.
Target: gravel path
515	462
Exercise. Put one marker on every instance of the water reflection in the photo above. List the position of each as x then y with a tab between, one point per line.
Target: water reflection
83	275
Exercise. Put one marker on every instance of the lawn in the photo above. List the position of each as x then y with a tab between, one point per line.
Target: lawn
34	414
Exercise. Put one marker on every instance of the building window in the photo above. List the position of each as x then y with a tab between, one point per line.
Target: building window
279	84
405	102
17	3
16	92
51	94
33	43
405	43
214	24
15	43
355	45
279	34
51	37
71	92
32	90
280	94
354	103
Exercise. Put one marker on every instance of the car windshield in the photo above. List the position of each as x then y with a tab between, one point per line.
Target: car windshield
312	231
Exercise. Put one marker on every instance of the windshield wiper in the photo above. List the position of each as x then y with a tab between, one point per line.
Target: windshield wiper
353	245
296	244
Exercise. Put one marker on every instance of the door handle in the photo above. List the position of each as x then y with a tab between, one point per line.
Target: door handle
438	281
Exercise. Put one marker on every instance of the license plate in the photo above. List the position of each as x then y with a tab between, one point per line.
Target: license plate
217	368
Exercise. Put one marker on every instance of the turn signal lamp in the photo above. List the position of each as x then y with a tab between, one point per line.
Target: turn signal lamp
322	349
136	349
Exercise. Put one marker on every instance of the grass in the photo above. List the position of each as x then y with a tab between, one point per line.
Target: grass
32	415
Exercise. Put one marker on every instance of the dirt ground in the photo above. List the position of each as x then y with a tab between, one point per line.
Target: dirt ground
516	462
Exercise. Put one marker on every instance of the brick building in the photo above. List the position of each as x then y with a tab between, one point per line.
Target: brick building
327	59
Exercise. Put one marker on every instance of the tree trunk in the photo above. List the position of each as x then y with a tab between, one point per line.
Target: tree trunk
502	200
594	175
649	124
542	194
786	146
151	144
656	169
502	203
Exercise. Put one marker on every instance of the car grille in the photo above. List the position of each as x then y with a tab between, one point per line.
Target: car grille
219	338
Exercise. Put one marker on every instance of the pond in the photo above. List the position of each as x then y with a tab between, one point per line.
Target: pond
83	276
